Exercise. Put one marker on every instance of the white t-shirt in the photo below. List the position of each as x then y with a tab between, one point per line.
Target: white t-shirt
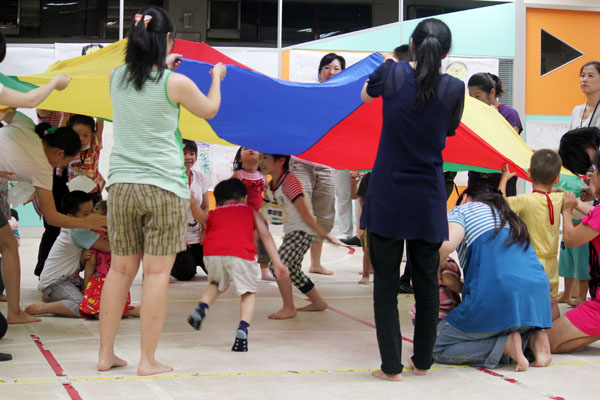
63	260
23	153
578	122
198	187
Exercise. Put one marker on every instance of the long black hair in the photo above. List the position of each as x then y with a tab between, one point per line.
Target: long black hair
486	81
483	193
147	46
431	41
64	138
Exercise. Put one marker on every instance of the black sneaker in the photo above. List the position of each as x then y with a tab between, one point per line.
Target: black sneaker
351	241
405	288
196	317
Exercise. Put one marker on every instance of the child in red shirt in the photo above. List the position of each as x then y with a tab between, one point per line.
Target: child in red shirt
229	255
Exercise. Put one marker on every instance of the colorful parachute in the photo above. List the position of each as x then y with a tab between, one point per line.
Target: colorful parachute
325	123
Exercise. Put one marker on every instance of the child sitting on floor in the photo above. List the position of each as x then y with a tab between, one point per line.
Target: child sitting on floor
90	304
229	255
60	281
541	212
450	288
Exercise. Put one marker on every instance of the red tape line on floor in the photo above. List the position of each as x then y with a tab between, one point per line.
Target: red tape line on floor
71	391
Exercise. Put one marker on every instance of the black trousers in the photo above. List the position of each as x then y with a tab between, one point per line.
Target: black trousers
186	262
386	256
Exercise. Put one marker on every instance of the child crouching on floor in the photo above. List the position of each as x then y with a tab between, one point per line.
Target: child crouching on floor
60	281
229	255
94	278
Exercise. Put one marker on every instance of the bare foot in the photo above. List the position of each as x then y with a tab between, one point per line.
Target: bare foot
2	298
152	368
388	377
320	270
540	345
284	313
364	280
21	318
106	363
514	349
134	312
562	297
416	370
314	307
265	275
575	302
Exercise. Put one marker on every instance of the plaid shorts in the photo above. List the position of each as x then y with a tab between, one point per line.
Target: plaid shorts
292	250
145	218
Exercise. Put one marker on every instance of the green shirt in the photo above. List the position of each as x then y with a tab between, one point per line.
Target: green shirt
147	143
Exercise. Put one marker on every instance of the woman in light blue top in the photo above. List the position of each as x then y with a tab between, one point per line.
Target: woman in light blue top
505	303
148	188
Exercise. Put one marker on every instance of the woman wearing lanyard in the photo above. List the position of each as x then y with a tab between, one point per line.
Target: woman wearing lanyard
587	114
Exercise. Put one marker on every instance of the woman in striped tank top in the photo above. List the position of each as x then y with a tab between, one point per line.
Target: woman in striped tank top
147	182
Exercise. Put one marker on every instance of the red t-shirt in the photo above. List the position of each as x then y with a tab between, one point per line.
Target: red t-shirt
230	232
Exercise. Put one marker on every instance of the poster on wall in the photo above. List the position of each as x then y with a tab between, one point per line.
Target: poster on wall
465	67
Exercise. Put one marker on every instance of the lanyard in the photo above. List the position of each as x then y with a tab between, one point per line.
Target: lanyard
550	205
591	117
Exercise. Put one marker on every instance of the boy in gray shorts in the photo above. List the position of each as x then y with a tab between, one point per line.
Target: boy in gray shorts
60	280
229	255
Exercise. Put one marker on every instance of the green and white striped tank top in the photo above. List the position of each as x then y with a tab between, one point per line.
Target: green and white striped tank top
147	143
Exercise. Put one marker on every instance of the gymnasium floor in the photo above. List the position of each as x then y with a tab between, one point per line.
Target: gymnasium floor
324	355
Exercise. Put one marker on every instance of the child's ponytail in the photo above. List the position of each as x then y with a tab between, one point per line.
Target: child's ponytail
147	45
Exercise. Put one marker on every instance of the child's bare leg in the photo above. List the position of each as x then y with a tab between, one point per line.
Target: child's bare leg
11	275
114	294
288	310
247	302
539	344
366	267
316	301
55	307
89	268
514	349
154	308
211	294
208	297
555	310
563	297
316	248
582	291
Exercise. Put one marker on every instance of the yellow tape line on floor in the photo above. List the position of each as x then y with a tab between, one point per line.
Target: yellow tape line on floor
199	374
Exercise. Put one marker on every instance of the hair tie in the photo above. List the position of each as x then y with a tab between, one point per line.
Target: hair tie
147	18
50	130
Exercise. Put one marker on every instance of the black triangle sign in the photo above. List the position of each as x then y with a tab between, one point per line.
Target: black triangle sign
555	53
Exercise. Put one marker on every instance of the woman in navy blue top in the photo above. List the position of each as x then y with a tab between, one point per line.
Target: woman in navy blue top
406	199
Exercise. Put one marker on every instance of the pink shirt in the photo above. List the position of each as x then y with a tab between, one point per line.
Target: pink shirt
255	184
449	299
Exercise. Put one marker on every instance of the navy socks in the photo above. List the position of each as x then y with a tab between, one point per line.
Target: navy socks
196	317
241	337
